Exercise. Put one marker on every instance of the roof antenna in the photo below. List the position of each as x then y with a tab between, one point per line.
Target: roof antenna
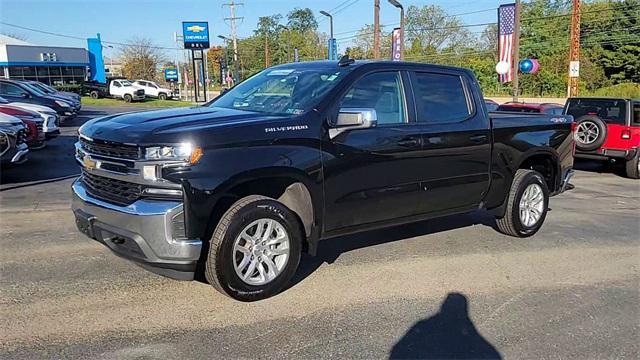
345	61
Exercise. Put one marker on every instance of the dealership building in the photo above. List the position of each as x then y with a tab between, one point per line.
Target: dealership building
50	64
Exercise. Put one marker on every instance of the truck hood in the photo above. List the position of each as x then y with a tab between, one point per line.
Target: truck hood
170	126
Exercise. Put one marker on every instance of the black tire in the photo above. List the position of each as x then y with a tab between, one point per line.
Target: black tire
219	267
127	98
601	136
633	166
162	96
94	94
511	223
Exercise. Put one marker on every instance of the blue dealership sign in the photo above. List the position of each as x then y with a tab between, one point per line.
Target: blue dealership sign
195	34
171	75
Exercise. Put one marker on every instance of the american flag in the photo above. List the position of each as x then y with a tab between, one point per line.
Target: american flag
506	23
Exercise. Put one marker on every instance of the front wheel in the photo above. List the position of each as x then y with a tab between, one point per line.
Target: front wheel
633	166
527	205
162	96
255	249
128	98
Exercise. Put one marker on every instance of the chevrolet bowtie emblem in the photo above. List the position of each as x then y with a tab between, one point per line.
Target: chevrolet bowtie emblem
88	162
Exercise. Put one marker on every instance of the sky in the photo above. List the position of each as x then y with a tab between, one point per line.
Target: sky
122	20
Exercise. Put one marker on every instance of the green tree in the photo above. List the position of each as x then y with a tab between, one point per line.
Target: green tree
302	20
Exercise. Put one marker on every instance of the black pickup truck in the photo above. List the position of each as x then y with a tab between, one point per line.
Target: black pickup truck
308	151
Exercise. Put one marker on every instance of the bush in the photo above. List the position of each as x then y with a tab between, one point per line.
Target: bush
70	88
624	90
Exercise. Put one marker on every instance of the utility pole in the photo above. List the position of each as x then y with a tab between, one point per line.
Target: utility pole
266	49
515	63
376	29
234	37
574	51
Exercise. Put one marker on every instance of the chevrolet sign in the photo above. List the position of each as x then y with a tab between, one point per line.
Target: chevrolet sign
195	34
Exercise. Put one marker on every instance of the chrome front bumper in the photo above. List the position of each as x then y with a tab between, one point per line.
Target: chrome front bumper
141	232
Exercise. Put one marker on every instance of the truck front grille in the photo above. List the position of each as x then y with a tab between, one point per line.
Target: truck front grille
111	190
21	136
121	151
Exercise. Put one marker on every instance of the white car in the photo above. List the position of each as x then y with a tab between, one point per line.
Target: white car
50	117
153	90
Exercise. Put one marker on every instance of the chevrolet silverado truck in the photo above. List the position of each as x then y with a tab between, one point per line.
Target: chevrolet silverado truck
240	187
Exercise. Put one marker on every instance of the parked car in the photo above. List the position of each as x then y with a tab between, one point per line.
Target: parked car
546	108
491	105
154	90
307	151
607	129
35	125
72	97
116	88
16	91
50	117
13	146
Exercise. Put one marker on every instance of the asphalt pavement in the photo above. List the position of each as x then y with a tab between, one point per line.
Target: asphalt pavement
446	288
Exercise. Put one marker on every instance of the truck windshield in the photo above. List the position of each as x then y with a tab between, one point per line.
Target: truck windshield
282	91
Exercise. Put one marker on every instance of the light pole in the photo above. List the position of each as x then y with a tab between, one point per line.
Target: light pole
235	60
288	42
110	59
331	50
399	6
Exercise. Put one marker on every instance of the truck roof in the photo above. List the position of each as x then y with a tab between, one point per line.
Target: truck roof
368	63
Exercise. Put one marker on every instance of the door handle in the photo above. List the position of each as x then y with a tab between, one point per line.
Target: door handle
409	142
478	138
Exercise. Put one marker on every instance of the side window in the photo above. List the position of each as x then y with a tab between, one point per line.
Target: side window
440	98
381	91
636	114
152	85
10	90
116	84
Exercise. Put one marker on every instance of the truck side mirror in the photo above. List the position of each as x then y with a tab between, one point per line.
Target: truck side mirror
356	118
24	95
353	118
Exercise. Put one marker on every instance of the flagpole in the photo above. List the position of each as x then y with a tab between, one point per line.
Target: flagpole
516	51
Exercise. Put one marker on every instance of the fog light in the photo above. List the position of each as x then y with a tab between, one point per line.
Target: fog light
149	173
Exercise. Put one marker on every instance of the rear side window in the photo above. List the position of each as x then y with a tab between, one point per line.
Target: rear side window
636	113
440	98
611	111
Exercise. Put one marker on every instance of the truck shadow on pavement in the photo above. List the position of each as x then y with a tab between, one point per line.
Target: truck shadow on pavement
449	334
330	250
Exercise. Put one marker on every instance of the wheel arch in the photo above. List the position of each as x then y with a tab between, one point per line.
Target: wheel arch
292	187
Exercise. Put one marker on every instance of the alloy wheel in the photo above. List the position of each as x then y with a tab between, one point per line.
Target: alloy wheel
531	205
261	251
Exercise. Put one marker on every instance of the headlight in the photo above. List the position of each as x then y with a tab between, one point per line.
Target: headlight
62	103
184	151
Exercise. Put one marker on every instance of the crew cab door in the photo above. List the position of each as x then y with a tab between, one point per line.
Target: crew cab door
372	174
456	137
116	89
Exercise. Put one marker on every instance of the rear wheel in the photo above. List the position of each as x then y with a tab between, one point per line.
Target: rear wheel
94	94
128	98
527	205
633	166
255	249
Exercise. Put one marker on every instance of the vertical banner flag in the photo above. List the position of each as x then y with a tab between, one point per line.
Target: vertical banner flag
395	44
506	24
296	55
332	50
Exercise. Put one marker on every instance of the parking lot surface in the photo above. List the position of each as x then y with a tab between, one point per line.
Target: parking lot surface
450	287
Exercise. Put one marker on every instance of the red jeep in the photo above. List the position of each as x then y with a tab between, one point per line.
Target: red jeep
607	129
